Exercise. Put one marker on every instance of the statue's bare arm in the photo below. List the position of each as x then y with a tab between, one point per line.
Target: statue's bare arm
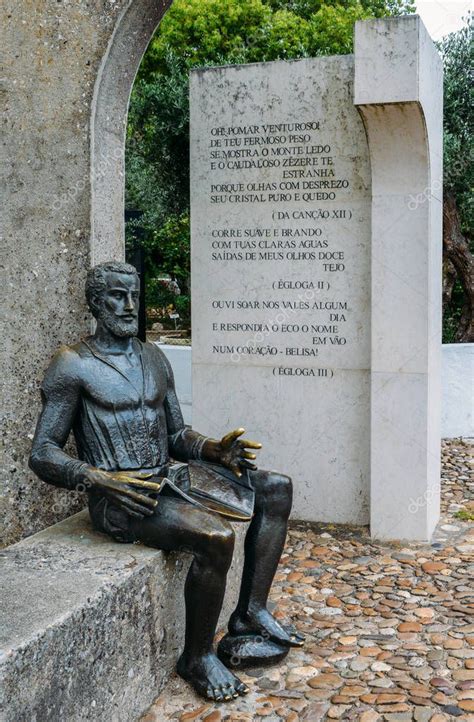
60	397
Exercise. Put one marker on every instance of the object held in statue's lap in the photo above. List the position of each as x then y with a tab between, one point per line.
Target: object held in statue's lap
207	486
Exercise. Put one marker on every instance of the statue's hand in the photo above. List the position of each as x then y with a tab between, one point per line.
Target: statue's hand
232	452
116	486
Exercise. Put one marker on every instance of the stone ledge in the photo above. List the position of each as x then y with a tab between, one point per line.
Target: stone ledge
90	629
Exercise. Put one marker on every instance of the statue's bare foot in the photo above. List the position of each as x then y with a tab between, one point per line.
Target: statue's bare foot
263	623
210	678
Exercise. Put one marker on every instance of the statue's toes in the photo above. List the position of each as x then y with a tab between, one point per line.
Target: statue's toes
218	694
294	634
229	692
242	688
296	640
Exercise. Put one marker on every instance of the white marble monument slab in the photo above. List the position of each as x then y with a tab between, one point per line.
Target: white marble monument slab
281	273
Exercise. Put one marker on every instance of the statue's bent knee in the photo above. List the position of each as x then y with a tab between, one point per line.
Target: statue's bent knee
276	484
274	492
218	546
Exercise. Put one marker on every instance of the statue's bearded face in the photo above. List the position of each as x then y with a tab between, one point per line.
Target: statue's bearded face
118	310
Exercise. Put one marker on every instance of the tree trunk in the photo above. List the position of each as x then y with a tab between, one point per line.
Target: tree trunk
456	251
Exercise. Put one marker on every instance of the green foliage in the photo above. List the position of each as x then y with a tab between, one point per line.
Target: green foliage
157	153
465	515
200	33
375	8
457	50
169	252
332	30
171	242
203	32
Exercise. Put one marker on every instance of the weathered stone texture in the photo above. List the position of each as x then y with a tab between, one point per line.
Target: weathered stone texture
90	629
54	53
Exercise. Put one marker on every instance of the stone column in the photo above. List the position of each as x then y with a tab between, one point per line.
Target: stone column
68	74
398	91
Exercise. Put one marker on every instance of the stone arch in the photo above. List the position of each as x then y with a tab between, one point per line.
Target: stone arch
133	31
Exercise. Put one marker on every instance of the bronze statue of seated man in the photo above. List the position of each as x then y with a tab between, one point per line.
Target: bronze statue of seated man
117	395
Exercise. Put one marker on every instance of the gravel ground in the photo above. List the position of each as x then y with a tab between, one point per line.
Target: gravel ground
390	628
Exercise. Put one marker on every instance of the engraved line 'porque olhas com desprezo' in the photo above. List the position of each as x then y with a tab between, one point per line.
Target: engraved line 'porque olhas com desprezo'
150	478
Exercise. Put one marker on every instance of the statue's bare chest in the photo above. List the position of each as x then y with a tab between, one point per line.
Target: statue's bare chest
119	383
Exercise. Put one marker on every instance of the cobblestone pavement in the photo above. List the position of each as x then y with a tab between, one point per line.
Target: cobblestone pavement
390	628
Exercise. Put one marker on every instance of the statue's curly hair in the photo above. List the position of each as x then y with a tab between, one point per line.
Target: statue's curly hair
96	281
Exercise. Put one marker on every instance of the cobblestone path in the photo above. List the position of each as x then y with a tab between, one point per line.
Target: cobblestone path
390	628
